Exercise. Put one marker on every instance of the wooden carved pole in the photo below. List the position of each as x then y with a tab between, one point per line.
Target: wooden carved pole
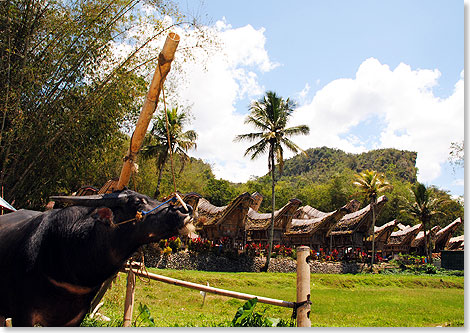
164	64
129	302
303	286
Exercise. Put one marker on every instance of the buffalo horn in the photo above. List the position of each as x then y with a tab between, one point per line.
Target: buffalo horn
107	200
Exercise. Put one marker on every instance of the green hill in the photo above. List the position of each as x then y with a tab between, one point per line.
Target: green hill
322	163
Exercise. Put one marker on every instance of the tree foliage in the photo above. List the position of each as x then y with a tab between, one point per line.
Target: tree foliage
457	154
322	163
270	115
371	184
66	92
424	206
162	142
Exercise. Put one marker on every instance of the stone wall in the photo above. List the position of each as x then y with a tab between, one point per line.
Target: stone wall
217	263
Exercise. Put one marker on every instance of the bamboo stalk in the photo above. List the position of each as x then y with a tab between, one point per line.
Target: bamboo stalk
129	302
212	290
164	64
303	287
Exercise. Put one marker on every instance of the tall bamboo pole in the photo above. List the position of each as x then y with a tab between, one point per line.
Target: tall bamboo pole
303	286
129	301
164	64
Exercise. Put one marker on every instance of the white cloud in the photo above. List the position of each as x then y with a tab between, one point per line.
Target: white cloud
230	75
414	118
245	46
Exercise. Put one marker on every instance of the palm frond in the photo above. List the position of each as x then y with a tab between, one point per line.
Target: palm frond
259	148
297	130
249	137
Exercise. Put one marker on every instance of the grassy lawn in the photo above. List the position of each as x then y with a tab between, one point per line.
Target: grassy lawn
338	300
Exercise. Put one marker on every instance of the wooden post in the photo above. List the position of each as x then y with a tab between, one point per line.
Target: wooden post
129	302
303	286
164	64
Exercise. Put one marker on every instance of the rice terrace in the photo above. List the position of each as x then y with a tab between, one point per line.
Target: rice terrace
154	175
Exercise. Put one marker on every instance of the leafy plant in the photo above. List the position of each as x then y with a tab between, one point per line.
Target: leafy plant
167	250
174	243
247	317
144	317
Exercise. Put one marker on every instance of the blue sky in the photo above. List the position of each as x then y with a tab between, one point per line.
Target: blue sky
338	60
326	40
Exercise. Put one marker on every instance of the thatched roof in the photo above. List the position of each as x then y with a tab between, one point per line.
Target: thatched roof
382	228
456	243
307	212
419	239
359	220
402	227
257	199
318	220
443	236
406	236
192	198
261	221
210	214
383	232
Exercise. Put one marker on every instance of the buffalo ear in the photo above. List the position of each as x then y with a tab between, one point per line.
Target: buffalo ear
105	215
107	200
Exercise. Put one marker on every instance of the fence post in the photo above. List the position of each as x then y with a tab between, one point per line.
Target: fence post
129	302
303	286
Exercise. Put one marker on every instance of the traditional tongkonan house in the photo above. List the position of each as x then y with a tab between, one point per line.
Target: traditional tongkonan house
215	223
445	234
257	200
313	225
400	241
381	237
257	224
353	228
417	245
456	243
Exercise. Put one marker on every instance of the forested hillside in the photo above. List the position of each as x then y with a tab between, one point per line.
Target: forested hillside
322	163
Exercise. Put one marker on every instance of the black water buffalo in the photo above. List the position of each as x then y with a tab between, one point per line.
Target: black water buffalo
52	264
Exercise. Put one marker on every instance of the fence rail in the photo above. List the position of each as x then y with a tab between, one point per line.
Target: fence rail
209	289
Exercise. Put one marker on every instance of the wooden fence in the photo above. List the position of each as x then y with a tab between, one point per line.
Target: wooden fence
301	306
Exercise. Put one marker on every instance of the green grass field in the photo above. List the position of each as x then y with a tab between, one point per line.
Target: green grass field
338	300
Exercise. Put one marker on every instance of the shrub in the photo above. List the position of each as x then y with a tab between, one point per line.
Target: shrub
167	250
174	243
247	317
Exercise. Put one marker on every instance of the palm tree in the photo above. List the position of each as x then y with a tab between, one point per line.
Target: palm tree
158	145
269	115
371	184
424	206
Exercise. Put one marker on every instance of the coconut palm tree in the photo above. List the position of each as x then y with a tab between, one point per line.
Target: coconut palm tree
269	115
423	207
157	144
371	184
